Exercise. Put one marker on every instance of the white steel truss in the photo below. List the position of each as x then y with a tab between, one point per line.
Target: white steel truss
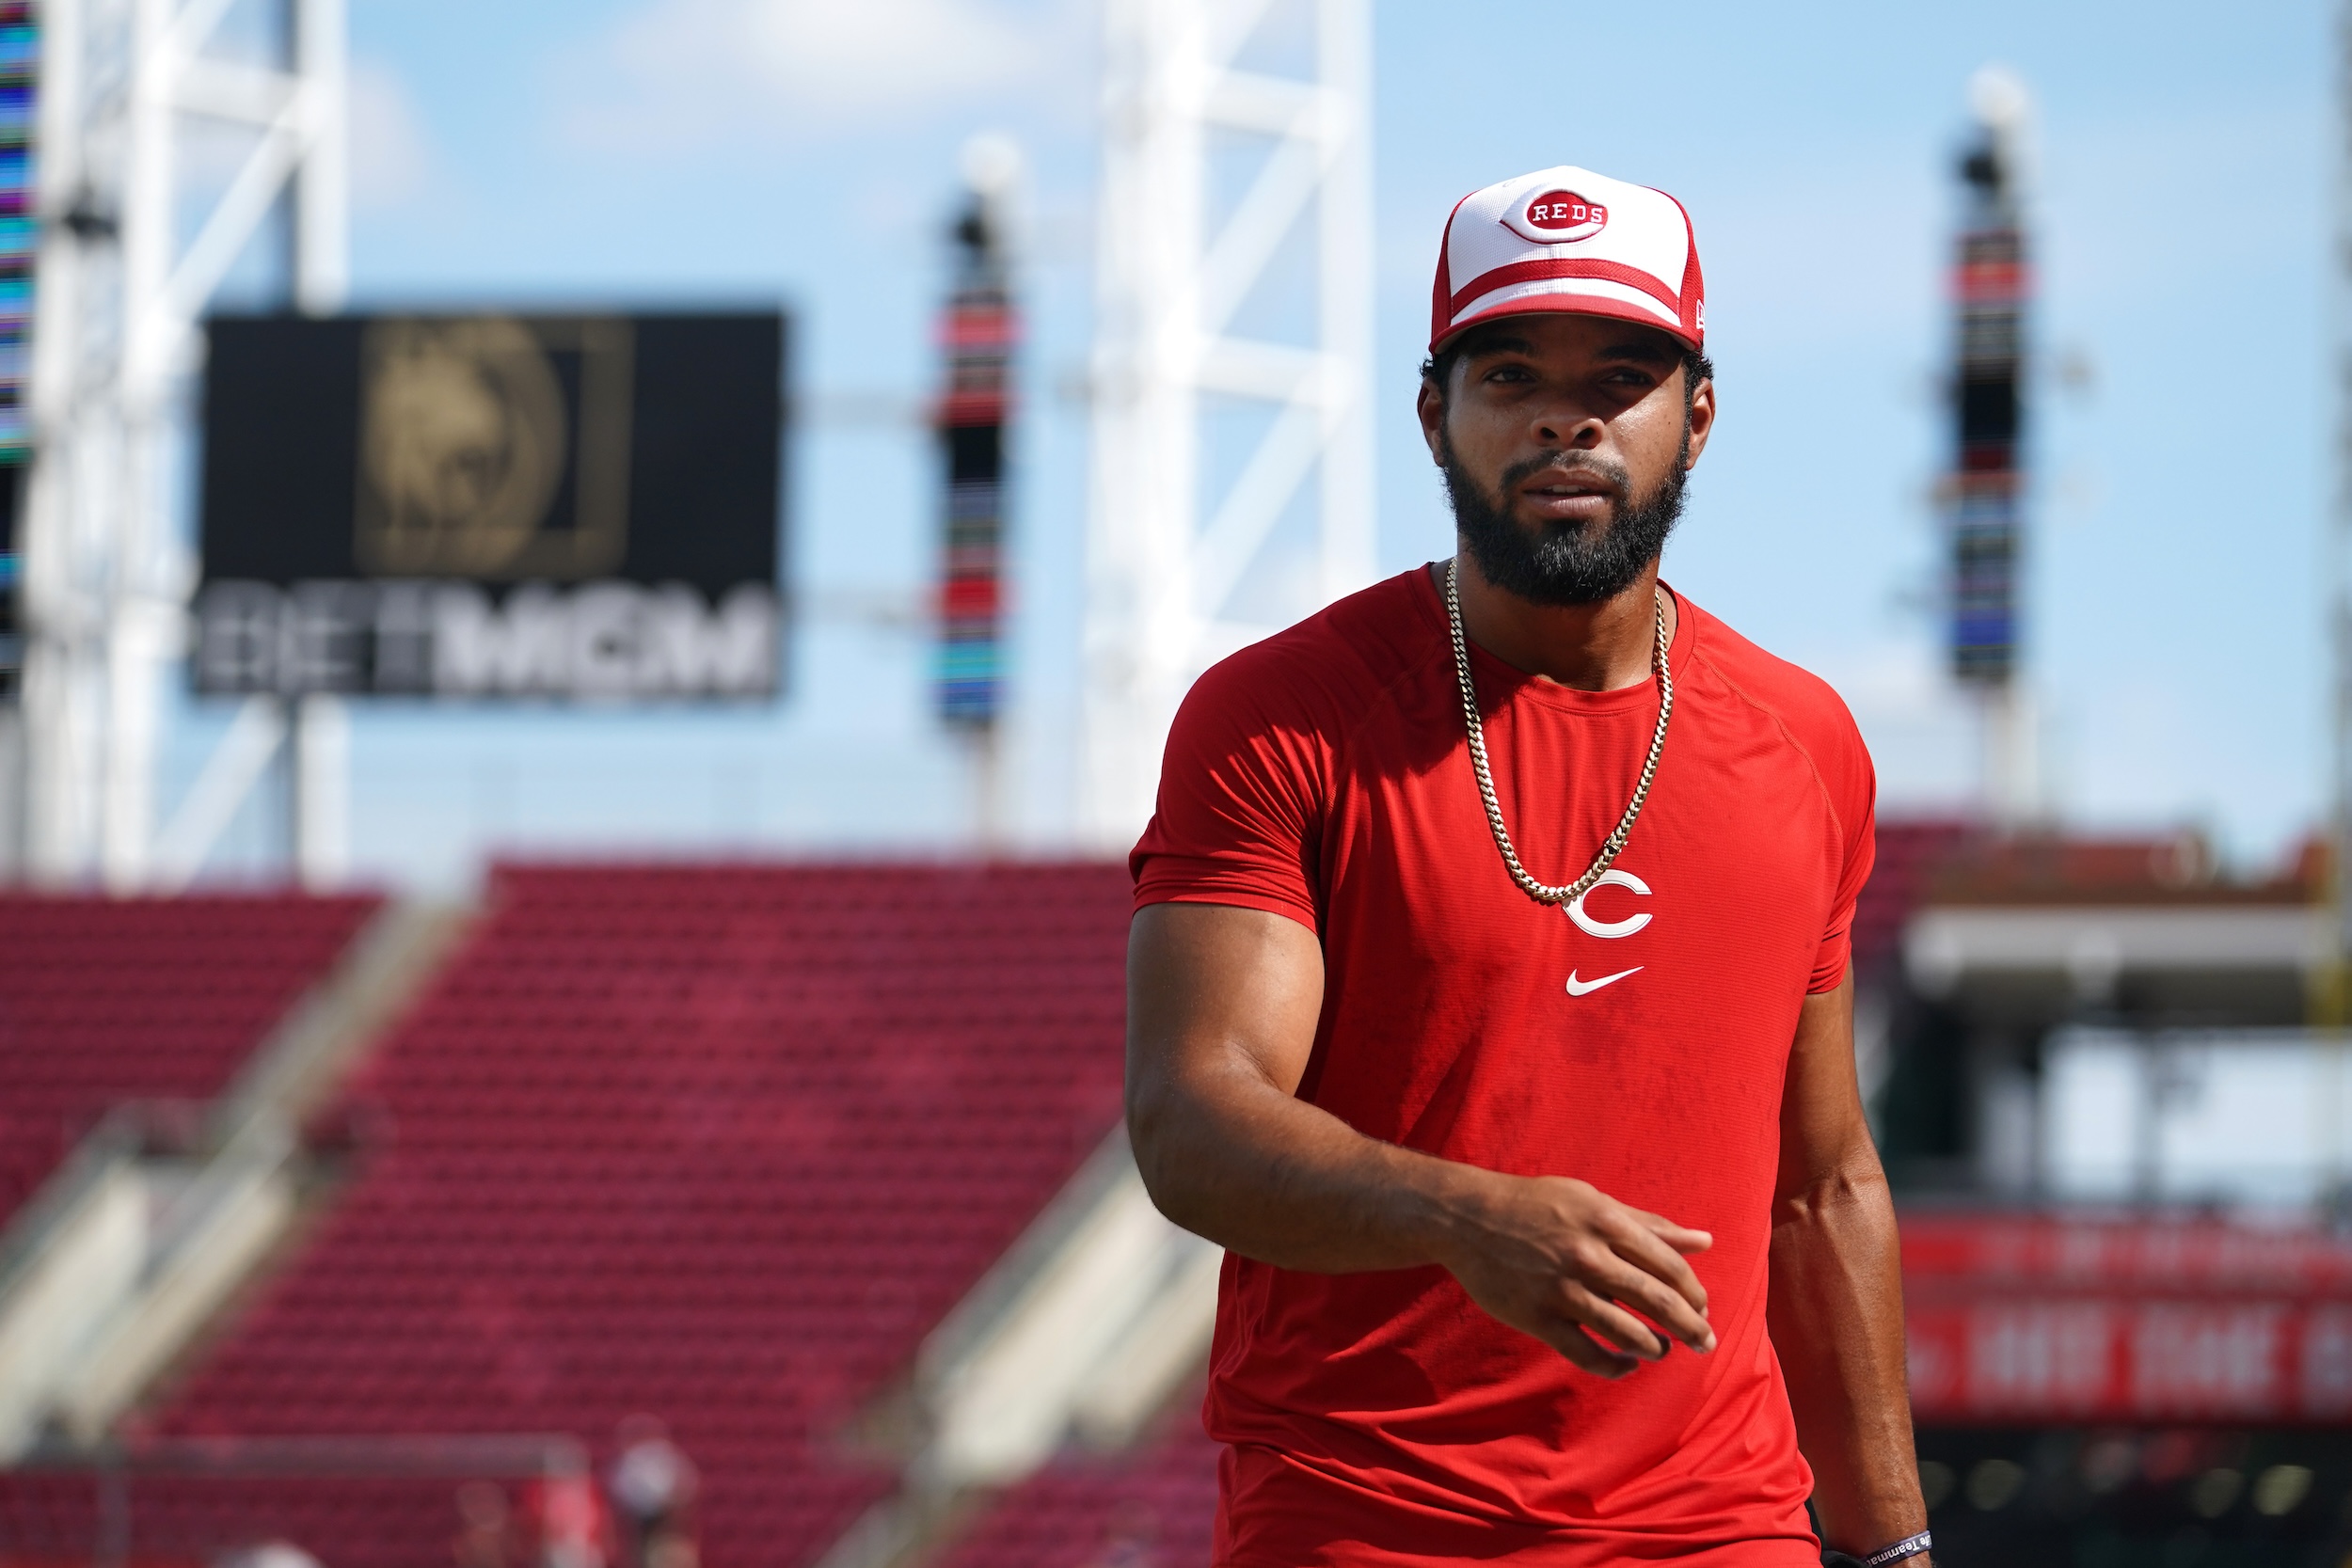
120	285
1165	555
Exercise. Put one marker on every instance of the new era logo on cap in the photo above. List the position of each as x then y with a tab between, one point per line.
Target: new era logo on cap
1570	240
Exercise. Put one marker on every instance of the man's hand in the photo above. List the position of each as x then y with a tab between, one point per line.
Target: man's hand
1221	1011
1562	1260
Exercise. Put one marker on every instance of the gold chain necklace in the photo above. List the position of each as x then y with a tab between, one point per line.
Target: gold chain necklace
1615	842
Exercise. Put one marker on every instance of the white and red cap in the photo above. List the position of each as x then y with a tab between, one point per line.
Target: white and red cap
1569	240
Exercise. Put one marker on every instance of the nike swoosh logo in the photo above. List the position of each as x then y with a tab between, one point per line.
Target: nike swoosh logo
1586	988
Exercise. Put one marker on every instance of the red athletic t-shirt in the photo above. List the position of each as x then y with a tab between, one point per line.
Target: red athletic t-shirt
1638	1042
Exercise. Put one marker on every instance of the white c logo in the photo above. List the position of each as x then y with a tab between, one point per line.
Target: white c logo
1625	927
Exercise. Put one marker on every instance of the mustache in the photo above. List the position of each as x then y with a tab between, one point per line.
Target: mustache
1528	468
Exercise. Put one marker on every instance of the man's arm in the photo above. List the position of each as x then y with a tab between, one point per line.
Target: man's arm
1222	1005
1836	1307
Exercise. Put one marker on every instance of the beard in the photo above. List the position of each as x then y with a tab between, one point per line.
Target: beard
1565	563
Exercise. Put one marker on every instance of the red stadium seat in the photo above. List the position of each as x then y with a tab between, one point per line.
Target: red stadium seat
720	1144
109	1000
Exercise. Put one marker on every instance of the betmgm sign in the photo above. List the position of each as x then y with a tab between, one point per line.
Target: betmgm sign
565	507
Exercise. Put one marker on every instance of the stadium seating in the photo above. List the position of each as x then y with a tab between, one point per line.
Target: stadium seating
1910	856
105	1000
1152	1508
717	1145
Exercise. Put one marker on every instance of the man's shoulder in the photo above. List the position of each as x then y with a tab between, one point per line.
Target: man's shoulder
1805	704
1329	669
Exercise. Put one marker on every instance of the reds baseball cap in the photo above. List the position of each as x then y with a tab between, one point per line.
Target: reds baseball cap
1571	241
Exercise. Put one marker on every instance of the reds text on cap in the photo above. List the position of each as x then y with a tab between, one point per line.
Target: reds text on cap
1569	240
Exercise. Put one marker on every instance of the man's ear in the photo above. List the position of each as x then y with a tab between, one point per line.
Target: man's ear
1430	406
1702	418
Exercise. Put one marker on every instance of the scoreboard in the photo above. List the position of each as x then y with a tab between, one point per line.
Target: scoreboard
487	505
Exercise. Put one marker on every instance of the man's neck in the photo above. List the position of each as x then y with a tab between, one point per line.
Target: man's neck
1588	647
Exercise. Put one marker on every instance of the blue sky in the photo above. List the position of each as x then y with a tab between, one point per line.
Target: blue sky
658	152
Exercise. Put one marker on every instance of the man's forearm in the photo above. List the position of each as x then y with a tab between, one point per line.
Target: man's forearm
1268	1176
1837	1323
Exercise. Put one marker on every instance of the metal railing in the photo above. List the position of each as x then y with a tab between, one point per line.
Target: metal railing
107	1536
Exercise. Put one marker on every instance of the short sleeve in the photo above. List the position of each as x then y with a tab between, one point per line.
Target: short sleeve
1858	818
1241	799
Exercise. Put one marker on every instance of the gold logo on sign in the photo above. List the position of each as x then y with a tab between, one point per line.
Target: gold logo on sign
464	446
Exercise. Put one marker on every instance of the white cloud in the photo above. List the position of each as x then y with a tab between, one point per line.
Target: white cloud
1922	732
390	159
689	71
884	53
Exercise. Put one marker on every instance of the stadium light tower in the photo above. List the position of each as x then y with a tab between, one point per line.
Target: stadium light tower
1178	568
118	297
1992	284
980	333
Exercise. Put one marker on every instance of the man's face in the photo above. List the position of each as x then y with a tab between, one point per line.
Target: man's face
1565	440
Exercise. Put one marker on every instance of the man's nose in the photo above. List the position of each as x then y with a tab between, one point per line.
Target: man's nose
1569	427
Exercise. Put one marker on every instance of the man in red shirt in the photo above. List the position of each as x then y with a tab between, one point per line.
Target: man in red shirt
1483	1148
